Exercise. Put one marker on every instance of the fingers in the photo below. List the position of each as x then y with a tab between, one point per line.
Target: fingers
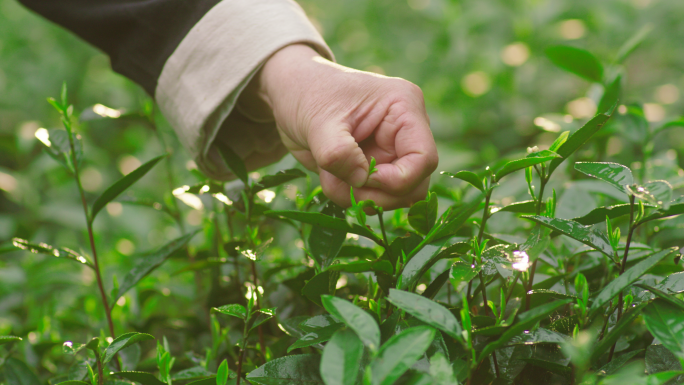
335	151
338	191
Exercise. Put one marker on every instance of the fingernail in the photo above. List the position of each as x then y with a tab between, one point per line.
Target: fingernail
358	177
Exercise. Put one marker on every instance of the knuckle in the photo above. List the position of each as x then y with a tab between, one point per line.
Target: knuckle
332	156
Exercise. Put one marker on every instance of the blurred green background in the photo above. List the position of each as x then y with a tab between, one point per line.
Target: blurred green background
489	89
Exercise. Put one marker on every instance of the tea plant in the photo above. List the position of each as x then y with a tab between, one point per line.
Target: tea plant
418	297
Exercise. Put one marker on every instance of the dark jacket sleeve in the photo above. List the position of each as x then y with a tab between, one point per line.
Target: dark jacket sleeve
138	35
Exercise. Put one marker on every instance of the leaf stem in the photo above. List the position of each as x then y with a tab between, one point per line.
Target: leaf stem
623	265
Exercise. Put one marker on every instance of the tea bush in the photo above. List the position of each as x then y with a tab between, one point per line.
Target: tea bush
276	285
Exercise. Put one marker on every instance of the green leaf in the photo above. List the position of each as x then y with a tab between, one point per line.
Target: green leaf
662	295
674	209
632	43
316	337
611	95
324	242
599	214
277	179
318	219
617	362
72	348
356	319
262	315
531	160
436	284
666	322
554	367
363	266
577	139
658	192
578	61
322	283
123	341
463	272
234	309
57	146
18	373
427	311
143	378
73	382
674	283
210	381
423	214
617	175
8	339
399	353
222	373
626	279
524	207
341	358
419	263
44	248
289	370
94	345
147	263
525	321
562	138
467	176
671	124
452	221
233	161
616	332
585	234
121	185
192	373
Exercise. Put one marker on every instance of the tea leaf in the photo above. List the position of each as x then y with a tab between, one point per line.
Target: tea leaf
316	337
44	248
452	220
222	373
419	263
322	283
578	61
611	95
140	377
662	295
599	214
530	160
463	272
8	339
318	219
423	214
626	279
658	192
618	330
617	175
18	373
665	321
524	207
585	234
467	176
362	266
277	179
427	311
356	319
341	359
325	242
123	341
434	286
294	369
121	185
235	310
674	209
233	161
632	43
578	138
399	353
147	263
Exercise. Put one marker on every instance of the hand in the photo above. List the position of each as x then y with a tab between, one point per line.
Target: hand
333	119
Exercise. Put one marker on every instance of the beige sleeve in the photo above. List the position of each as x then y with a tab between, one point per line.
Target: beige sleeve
203	78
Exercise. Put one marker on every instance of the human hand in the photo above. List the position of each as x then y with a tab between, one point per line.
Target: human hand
333	119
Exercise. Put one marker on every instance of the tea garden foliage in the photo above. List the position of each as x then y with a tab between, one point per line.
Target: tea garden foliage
263	280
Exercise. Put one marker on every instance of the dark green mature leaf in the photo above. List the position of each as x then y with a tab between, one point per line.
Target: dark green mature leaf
674	284
617	363
423	214
436	284
611	95
463	272
356	319
362	266
539	336
72	348
659	359
467	176
626	279
662	295
578	61
316	337
277	179
525	321
44	248
578	138
615	174
260	316
121	185
348	251
427	311
322	283
211	381
318	219
399	353
454	219
8	339
657	192
666	322
325	242
233	309
585	234
531	160
191	373
419	263
598	215
525	207
143	378
233	161
149	262
57	146
123	341
341	359
618	330
674	209
553	367
289	370
18	373
632	43
75	382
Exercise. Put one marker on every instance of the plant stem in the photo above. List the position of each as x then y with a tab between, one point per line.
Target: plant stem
258	304
623	265
542	184
100	375
241	356
384	233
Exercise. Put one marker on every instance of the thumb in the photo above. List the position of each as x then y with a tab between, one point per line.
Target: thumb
335	150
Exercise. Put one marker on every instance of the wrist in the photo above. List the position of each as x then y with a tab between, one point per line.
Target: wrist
283	75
